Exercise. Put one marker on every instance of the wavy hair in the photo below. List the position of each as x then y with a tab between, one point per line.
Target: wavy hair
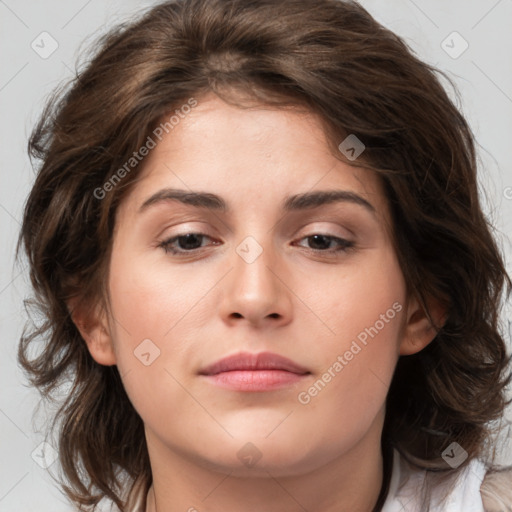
333	58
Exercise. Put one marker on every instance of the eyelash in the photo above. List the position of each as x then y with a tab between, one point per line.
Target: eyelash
344	245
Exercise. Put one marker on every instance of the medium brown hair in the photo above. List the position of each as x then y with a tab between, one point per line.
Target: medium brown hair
333	58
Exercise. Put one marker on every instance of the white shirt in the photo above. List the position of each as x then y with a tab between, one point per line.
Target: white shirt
406	483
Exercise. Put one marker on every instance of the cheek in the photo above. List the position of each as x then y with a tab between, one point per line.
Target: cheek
151	301
363	313
360	295
157	313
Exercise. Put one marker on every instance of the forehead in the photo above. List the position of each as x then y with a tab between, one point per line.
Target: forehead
257	152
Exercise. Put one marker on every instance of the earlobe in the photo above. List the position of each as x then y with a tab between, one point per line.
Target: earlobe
93	327
418	330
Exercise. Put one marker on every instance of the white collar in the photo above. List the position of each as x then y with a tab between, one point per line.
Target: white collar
405	483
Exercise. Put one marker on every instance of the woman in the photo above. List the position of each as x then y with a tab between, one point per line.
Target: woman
221	357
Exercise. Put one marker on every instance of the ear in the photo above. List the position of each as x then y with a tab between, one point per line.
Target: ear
93	326
418	330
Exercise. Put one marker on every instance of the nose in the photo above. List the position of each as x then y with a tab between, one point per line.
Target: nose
256	290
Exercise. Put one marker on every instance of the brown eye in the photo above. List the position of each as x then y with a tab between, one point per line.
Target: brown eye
185	243
323	243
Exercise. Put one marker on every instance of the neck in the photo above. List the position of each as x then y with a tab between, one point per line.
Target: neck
351	481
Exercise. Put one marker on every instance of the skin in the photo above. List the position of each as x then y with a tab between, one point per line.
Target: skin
308	306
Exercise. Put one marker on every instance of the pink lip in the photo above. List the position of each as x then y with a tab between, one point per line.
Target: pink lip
254	372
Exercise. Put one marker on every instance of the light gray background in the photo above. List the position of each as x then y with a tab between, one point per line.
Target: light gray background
483	74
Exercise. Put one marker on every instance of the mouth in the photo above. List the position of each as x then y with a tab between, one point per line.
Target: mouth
254	372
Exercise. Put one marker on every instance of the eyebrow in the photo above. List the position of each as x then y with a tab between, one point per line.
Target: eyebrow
297	202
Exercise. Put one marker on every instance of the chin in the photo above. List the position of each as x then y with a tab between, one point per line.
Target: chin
259	456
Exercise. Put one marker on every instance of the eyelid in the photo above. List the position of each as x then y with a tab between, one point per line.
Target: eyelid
314	228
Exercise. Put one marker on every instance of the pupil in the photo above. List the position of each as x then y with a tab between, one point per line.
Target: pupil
316	238
189	241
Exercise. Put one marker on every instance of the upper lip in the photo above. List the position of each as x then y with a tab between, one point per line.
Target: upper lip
249	361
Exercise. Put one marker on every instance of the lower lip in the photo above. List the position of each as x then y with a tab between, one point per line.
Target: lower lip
255	380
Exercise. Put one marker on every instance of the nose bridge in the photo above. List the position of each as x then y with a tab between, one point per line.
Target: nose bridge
253	263
255	290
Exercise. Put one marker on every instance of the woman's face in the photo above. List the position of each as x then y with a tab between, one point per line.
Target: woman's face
289	254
